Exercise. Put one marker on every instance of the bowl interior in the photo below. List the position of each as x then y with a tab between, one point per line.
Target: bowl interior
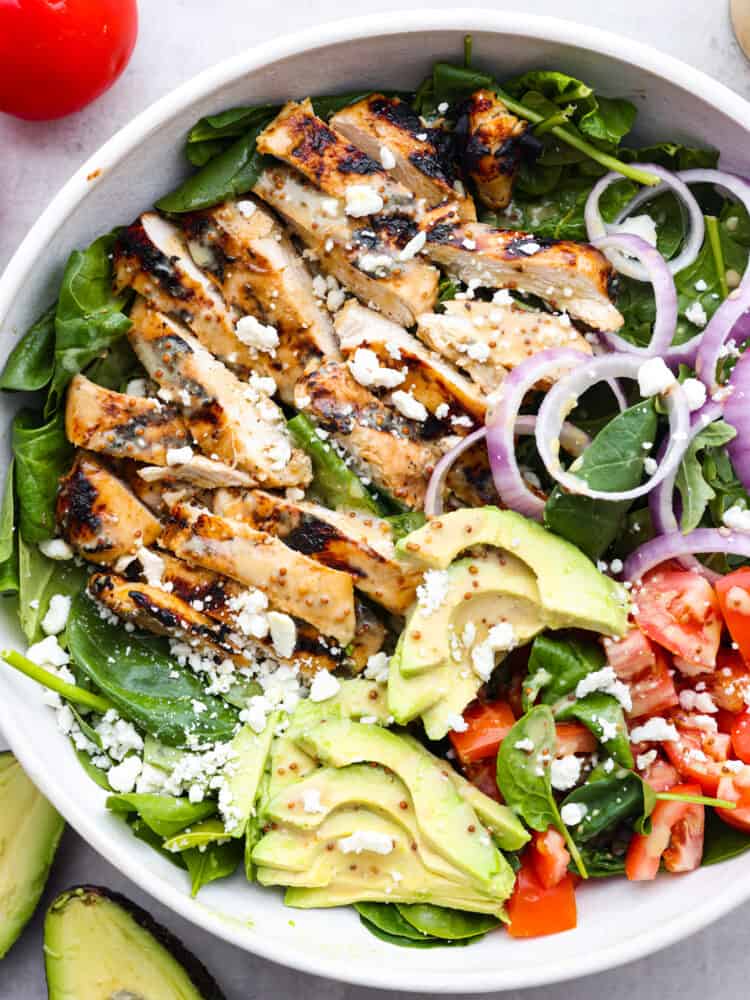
617	921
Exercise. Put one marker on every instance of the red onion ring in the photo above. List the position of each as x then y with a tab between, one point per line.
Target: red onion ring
597	228
704	540
737	413
572	438
433	499
563	396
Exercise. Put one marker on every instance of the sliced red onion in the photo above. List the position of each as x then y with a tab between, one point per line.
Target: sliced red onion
703	540
737	413
596	227
572	438
501	425
563	397
433	500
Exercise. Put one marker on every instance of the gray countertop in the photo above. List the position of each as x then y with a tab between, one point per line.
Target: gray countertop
177	39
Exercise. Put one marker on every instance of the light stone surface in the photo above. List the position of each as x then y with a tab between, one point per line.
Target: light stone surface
177	39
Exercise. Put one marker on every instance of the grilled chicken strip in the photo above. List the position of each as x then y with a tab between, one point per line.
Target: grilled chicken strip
572	277
492	138
199	471
120	425
364	256
430	379
388	448
231	421
293	583
258	272
487	339
424	160
302	140
99	516
359	546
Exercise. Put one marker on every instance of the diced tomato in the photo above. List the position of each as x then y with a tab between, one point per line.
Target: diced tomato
691	755
729	684
483	774
736	788
489	724
654	692
661	775
685	849
630	655
733	592
549	857
534	911
678	609
740	736
669	828
574	737
725	720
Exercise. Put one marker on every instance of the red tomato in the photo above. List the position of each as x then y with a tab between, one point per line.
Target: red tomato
667	820
740	736
678	609
692	757
57	57
654	691
729	684
534	911
549	857
630	655
736	788
685	850
489	724
661	775
574	737
733	591
483	775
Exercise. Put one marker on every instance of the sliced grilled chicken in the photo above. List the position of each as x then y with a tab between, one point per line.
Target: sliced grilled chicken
98	515
302	140
255	266
120	425
388	448
492	138
573	277
421	158
487	339
152	257
359	546
293	583
231	421
156	610
430	379
199	471
364	256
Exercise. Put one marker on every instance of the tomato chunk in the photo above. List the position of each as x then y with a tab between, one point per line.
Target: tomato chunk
661	775
534	911
740	736
679	610
669	829
630	655
691	755
729	684
574	737
654	691
483	774
489	724
736	788
733	592
549	857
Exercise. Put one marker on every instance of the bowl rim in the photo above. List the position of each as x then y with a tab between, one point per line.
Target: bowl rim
64	204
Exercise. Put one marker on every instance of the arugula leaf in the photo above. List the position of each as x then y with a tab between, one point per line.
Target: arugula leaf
613	461
609	800
211	862
558	661
523	776
8	539
602	714
29	365
42	454
164	814
695	492
89	316
721	841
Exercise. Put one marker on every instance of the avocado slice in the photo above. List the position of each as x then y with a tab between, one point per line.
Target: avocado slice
251	751
572	591
357	698
98	944
30	830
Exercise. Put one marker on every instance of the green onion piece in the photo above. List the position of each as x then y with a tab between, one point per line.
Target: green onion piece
71	692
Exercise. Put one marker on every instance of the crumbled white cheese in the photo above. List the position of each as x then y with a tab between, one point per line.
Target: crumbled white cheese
330	207
362	199
56	617
246	208
122	777
256	712
311	801
387	159
650	465
500	638
695	391
644	760
655	729
654	377
565	772
525	744
366	369
478	351
249	607
408	406
456	722
324	686
366	840
433	590
136	387
737	518
700	285
56	548
283	634
377	668
48	653
118	737
572	813
696	314
530	248
379	264
179	456
605	680
412	248
257	335
502	297
442	411
638	225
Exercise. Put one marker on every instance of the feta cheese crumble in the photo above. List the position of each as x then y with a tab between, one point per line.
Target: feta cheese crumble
56	617
695	391
324	686
311	801
179	456
362	199
696	314
408	406
655	729
387	159
246	208
605	680
48	653
283	634
572	813
122	777
654	377
433	590
377	668
56	548
365	840
565	772
500	638
456	722
412	248
257	335
737	519
367	370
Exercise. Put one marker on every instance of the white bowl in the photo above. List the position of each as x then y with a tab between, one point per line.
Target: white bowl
618	922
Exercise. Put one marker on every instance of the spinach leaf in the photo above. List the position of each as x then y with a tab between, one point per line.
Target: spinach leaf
609	121
143	832
609	800
38	579
97	775
405	942
448	925
558	661
29	365
722	842
116	367
42	454
602	862
143	681
696	493
523	774
388	918
603	715
89	316
164	814
214	861
8	540
613	461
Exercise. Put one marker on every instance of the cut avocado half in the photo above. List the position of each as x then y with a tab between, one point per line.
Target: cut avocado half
572	591
100	946
30	830
247	767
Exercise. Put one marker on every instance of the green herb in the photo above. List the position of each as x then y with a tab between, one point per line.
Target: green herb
403	524
558	661
212	862
722	842
447	290
42	454
143	681
699	800
696	493
612	462
71	692
602	713
609	800
8	540
164	814
523	776
29	366
449	925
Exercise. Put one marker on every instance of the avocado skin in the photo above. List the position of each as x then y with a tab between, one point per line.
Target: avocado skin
202	985
30	830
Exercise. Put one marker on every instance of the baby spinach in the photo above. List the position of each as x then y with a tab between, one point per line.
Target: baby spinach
38	579
116	367
29	365
8	540
450	925
609	800
558	661
97	775
164	814
89	317
388	918
42	454
722	842
613	461
603	715
211	862
143	681
603	862
696	493
143	832
523	774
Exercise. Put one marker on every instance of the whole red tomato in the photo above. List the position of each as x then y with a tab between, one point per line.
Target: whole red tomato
56	56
